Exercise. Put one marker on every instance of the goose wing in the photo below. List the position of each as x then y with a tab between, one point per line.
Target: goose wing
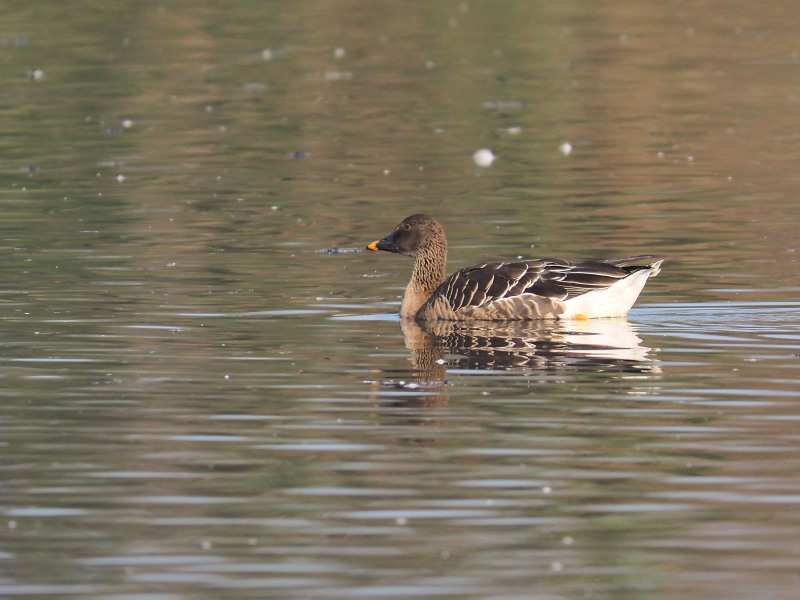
485	283
576	279
531	288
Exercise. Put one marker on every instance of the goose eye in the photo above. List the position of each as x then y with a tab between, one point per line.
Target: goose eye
406	226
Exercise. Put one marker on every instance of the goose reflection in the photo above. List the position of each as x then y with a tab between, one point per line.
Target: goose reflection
596	346
591	345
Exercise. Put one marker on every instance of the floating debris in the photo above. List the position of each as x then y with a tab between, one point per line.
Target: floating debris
339	250
565	148
400	384
503	105
35	74
484	157
20	42
270	54
338	75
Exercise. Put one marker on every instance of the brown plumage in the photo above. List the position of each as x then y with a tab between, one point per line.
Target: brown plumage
524	290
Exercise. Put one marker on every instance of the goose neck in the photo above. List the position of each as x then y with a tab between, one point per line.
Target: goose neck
427	276
429	267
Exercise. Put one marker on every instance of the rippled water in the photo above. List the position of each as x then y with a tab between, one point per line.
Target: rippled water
206	391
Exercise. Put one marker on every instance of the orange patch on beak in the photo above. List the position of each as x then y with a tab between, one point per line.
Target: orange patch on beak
373	246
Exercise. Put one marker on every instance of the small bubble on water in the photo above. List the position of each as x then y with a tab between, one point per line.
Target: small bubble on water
565	148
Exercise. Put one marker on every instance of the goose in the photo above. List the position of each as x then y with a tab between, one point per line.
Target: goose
542	288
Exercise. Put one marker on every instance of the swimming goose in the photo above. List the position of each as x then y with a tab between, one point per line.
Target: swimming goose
498	291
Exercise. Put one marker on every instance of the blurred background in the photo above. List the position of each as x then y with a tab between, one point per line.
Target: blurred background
205	391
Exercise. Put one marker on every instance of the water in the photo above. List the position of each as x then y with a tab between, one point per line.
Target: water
199	401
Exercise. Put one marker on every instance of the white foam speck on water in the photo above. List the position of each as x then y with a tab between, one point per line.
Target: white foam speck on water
484	157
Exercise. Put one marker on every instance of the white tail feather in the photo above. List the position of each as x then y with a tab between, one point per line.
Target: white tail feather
613	301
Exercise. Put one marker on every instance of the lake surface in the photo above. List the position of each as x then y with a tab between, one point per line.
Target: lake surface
206	392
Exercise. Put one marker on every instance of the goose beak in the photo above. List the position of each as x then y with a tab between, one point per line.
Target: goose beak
386	244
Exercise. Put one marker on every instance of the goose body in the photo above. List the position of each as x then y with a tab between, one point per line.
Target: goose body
499	291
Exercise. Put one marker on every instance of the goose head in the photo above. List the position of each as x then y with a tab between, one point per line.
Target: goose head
415	235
